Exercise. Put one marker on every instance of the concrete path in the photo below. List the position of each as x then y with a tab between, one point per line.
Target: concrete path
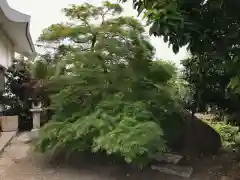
17	163
6	138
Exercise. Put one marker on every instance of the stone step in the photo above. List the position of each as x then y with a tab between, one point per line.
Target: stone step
167	157
181	171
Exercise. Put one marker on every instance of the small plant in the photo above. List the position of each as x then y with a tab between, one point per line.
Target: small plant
229	134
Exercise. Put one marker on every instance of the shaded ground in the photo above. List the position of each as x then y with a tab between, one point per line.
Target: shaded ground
18	163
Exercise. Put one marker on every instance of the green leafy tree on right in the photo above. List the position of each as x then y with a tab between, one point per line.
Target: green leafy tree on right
204	26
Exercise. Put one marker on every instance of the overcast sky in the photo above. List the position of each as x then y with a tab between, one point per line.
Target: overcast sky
46	12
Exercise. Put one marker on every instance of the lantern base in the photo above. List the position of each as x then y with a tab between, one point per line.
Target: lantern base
34	134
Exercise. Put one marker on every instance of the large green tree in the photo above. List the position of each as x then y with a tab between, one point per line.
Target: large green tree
116	99
208	78
205	26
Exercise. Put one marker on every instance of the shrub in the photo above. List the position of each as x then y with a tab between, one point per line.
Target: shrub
128	132
229	134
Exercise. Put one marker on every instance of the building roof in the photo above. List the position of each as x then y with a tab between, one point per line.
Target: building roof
16	27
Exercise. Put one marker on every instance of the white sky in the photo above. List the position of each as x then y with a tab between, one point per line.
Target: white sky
46	12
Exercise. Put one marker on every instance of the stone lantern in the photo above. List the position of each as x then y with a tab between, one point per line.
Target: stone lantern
36	112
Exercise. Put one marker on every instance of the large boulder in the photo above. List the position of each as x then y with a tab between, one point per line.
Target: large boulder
197	137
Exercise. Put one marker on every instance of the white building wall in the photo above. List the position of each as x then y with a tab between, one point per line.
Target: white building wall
6	50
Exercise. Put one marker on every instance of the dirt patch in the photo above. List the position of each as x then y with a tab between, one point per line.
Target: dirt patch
18	162
33	168
208	168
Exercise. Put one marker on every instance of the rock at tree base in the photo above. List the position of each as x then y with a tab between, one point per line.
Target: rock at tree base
167	157
197	138
181	171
